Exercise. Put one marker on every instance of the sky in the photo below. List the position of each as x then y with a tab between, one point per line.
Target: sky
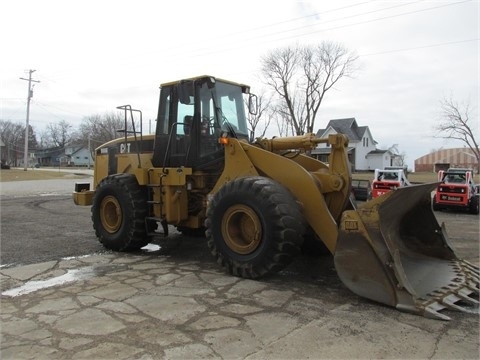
92	56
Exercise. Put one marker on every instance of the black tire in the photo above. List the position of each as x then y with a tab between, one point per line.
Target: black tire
118	213
200	232
313	246
254	227
435	205
474	205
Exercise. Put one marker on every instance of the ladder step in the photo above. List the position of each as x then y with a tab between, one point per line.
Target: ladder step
162	223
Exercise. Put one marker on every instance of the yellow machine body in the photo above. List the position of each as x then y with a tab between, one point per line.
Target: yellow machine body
390	250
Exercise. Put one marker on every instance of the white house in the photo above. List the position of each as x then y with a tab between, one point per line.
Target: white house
379	159
362	151
78	155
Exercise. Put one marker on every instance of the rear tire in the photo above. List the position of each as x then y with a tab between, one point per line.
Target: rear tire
254	227
474	205
118	213
435	205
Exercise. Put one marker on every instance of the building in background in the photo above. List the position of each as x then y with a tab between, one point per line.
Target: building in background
446	158
362	150
76	155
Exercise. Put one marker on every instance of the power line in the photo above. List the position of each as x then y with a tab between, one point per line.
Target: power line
46	106
273	35
349	17
389	17
420	47
369	21
247	41
304	17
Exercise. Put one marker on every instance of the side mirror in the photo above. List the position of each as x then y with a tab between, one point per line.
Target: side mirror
185	90
252	104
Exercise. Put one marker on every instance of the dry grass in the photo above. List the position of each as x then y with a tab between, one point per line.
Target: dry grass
34	174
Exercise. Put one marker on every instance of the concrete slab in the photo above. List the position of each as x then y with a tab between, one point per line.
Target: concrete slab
146	307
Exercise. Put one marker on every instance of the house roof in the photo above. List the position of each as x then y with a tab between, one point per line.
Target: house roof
346	126
79	149
448	156
378	152
49	152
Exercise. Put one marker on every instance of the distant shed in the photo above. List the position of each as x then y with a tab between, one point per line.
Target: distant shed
445	158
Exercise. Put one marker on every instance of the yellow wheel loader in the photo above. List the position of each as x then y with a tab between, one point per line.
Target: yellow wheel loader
258	200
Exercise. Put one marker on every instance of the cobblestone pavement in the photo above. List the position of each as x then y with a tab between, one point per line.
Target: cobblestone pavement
180	305
121	306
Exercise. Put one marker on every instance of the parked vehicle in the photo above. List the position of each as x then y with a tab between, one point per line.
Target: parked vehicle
361	189
257	201
456	191
387	180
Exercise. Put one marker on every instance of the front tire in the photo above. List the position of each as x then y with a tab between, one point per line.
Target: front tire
118	213
254	227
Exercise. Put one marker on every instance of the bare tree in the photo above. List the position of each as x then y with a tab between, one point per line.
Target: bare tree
398	157
456	123
60	133
98	129
45	139
301	76
101	128
13	136
282	119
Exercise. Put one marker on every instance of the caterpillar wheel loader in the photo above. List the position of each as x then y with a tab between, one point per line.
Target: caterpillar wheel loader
257	201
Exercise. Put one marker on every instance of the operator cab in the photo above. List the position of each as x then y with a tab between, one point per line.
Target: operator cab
193	115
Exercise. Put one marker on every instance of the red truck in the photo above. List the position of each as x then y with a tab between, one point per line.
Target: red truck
387	180
456	191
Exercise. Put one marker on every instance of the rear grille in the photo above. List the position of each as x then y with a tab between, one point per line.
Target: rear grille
453	189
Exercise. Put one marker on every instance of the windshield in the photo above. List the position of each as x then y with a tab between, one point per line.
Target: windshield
392	176
455	178
230	107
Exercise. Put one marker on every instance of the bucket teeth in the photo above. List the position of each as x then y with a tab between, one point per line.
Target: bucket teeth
465	295
450	301
432	312
472	269
460	295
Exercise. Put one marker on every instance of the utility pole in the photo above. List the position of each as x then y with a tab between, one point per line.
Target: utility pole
29	96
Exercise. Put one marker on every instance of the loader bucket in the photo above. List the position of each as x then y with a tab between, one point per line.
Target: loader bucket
392	250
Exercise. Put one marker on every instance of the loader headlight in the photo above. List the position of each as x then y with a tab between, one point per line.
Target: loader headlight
223	140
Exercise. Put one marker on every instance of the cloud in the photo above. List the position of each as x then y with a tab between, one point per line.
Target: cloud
92	56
